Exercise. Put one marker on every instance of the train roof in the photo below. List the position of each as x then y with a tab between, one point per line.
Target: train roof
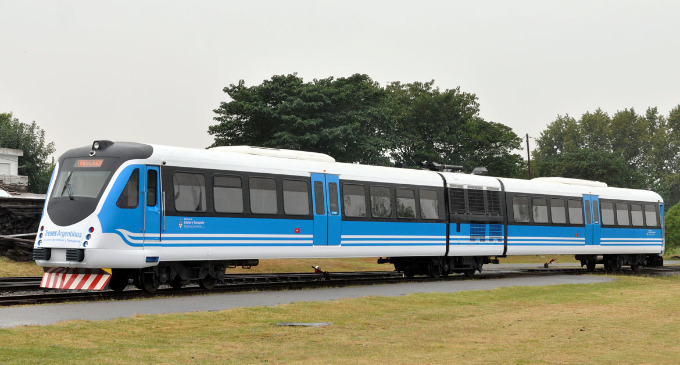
289	162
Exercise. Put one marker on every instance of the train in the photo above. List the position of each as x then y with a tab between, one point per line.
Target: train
121	212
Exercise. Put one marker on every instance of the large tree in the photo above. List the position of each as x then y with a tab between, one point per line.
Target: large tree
345	117
354	119
29	138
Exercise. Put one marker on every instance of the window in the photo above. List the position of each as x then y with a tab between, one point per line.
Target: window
151	182
381	204
540	210
622	214
263	196
493	198
588	216
429	205
318	198
520	208
406	203
457	198
129	198
558	211
650	215
608	214
575	211
295	197
596	212
228	194
476	201
354	200
189	192
333	198
636	215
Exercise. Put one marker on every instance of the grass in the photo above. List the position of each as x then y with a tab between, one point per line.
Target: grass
10	268
633	319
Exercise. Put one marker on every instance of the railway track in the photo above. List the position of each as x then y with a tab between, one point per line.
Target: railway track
23	291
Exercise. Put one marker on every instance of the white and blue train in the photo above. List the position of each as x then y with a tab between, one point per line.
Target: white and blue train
158	214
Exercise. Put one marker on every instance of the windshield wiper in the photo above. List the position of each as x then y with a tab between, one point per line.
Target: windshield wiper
67	187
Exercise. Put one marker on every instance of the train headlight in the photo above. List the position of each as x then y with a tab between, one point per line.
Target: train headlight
85	244
95	145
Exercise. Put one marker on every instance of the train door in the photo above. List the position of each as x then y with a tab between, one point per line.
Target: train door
152	210
326	205
591	205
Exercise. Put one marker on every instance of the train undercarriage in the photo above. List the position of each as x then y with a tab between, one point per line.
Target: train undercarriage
175	274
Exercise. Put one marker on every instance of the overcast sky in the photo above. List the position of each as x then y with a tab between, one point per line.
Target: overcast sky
153	71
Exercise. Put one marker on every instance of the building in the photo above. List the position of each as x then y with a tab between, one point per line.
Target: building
10	180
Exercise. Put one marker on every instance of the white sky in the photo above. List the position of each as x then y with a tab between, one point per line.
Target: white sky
153	71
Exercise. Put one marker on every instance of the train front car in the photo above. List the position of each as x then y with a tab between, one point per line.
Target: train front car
93	190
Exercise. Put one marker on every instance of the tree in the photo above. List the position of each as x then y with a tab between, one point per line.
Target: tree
345	118
29	138
354	119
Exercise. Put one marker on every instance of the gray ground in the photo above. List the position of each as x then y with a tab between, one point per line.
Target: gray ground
48	314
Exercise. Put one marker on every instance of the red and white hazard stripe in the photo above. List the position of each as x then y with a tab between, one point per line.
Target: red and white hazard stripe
78	279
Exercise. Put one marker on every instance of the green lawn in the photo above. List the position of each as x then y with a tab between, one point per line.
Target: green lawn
631	320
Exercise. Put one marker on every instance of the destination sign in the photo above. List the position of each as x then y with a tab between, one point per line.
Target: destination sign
89	163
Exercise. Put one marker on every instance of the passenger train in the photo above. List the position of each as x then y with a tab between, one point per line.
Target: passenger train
155	214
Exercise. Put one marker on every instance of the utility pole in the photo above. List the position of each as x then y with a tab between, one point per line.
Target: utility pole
528	156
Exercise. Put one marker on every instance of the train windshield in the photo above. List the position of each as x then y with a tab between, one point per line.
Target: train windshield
81	178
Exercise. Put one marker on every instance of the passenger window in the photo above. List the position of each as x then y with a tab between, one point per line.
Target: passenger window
575	211
596	212
333	198
540	210
263	196
406	203
381	204
429	205
189	192
318	198
520	209
295	197
129	198
622	214
650	215
588	219
476	201
354	200
151	182
228	194
457	198
636	215
558	211
608	214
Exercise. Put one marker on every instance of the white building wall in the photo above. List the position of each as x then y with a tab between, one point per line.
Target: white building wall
9	161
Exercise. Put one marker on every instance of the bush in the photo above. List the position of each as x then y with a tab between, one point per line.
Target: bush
672	221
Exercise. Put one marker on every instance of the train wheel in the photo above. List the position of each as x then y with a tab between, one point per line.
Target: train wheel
149	282
635	267
409	272
119	281
207	282
469	273
590	265
177	283
434	269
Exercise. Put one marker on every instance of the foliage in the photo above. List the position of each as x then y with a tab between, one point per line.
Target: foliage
354	119
626	150
345	118
445	127
29	138
672	224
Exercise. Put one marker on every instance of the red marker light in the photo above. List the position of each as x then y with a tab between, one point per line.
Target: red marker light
577	235
297	230
91	229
